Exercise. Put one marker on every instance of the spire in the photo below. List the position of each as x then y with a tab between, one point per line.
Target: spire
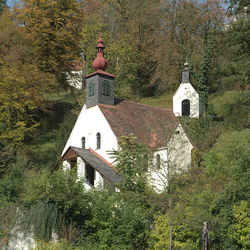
186	73
100	63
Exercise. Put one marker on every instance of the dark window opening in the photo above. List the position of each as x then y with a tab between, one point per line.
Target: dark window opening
90	174
158	161
106	88
185	107
91	88
98	141
83	142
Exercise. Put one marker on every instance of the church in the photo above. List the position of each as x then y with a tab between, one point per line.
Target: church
103	119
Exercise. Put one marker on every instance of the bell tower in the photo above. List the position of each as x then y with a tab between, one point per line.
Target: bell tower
186	101
100	84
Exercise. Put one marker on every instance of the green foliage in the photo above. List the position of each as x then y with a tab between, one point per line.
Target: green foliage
203	132
131	162
230	65
116	224
194	197
11	185
7	158
59	197
227	164
54	245
64	131
240	231
48	154
43	219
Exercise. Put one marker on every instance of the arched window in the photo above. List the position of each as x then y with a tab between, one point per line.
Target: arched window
106	88
91	88
98	141
158	161
185	107
83	142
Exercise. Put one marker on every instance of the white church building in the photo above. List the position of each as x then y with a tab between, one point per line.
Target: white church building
103	119
186	101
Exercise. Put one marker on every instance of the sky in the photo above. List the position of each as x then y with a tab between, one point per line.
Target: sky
9	3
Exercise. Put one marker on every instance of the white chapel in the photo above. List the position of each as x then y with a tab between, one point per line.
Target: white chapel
103	119
186	101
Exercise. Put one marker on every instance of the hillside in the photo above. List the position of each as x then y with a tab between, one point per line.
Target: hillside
218	175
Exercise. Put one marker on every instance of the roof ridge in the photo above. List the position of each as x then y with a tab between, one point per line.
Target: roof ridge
142	104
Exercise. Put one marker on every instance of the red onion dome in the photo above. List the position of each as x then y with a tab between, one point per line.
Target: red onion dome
100	62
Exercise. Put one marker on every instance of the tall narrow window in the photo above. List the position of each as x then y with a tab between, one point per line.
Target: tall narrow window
106	88
83	143
185	107
90	174
158	161
91	88
98	141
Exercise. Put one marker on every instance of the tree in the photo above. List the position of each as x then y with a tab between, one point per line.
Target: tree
240	231
131	162
126	30
227	167
188	31
231	63
22	83
55	27
2	5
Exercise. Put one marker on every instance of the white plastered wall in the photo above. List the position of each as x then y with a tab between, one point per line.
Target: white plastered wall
90	122
175	158
179	150
186	91
158	176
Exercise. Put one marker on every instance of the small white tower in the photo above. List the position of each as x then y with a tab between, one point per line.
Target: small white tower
186	100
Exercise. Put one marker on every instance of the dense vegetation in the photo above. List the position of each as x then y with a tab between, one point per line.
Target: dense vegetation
147	43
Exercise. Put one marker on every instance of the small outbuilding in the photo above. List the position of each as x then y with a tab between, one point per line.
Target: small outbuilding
186	101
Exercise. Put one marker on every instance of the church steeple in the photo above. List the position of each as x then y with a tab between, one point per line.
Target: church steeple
186	74
100	62
100	84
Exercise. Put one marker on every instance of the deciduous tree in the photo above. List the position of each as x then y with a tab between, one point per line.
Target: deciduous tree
186	34
126	30
22	83
56	29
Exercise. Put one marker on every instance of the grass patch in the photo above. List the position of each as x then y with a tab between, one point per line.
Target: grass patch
229	154
217	101
229	139
163	101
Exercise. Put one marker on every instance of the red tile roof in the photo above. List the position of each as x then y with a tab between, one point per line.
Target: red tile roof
151	125
75	65
99	71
